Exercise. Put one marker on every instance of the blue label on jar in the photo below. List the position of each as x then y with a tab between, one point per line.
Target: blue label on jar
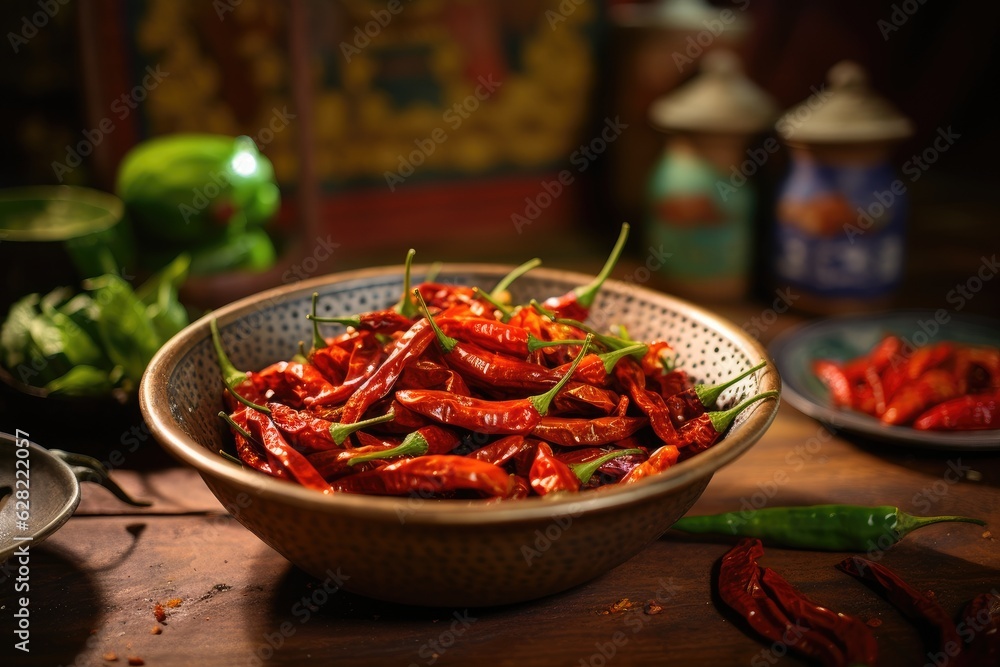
840	230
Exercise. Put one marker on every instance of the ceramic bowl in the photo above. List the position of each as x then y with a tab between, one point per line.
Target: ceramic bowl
433	552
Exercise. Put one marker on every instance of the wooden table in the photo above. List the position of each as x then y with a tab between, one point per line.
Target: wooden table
231	600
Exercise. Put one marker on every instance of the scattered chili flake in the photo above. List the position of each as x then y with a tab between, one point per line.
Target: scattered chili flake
156	630
987	535
622	605
110	656
653	608
135	660
158	613
174	602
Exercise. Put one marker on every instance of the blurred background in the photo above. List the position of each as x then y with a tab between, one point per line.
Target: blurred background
493	130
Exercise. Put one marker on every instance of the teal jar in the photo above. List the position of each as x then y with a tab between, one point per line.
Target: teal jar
700	198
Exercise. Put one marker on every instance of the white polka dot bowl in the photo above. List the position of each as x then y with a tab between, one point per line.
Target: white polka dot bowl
445	552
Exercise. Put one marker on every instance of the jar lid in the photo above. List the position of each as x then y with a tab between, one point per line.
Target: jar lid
681	15
847	110
719	99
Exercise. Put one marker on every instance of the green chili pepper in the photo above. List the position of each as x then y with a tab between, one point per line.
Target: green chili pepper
819	527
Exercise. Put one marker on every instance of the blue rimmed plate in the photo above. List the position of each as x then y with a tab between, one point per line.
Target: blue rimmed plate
844	337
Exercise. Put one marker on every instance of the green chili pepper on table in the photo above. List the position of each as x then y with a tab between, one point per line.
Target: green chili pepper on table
820	527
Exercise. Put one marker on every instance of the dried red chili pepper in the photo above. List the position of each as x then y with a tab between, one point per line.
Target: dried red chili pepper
304	431
778	612
703	431
887	352
576	303
430	475
661	459
335	464
914	604
409	346
969	412
652	404
616	467
511	416
504	449
296	383
386	321
250	452
833	377
980	628
586	432
585	399
694	401
909	369
934	386
549	474
426	373
281	454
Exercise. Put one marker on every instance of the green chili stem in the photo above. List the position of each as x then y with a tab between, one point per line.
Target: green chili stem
347	321
585	294
489	298
541	402
340	432
406	306
613	342
232	376
506	281
723	418
907	523
239	429
413	444
535	343
586	470
611	358
709	394
318	341
446	342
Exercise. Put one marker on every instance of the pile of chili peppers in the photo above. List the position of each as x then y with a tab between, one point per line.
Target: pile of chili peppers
454	393
946	386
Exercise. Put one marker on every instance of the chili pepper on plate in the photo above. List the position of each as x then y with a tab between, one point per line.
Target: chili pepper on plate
968	412
777	611
819	527
934	386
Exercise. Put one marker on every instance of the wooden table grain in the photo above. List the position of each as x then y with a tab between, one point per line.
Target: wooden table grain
230	600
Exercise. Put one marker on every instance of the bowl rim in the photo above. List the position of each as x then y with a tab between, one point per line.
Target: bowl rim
154	404
112	206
